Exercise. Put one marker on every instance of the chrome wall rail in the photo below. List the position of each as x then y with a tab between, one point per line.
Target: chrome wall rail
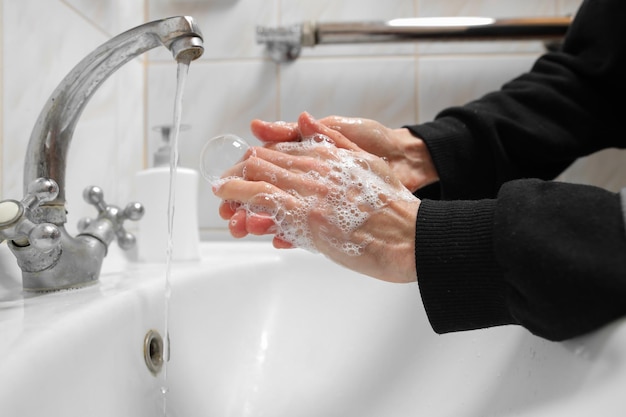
285	43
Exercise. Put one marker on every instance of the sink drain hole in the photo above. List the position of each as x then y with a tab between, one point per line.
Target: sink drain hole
153	351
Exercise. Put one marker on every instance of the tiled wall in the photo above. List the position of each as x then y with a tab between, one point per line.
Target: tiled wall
234	82
41	42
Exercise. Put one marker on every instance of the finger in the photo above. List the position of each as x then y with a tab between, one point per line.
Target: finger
241	223
281	244
303	183
289	159
309	126
259	196
292	159
260	224
274	131
354	128
348	125
227	209
237	224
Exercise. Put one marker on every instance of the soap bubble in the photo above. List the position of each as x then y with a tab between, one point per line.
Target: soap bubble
219	154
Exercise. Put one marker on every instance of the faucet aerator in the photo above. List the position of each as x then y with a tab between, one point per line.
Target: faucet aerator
187	49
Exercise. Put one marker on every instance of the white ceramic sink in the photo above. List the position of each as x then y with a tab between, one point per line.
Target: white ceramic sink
260	332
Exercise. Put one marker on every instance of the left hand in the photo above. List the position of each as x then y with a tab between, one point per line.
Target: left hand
346	204
406	154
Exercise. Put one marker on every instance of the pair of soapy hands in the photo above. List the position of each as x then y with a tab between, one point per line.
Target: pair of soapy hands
291	177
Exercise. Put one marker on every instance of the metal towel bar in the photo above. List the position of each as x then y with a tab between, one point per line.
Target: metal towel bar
285	43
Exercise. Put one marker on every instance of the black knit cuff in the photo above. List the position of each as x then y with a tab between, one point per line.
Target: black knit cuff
452	153
461	285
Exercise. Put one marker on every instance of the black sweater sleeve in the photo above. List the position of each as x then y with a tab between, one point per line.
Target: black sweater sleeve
569	105
545	255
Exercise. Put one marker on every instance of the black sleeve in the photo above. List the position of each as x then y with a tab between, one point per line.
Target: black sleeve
569	105
545	255
549	256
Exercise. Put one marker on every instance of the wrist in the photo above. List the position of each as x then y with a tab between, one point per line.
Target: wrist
417	157
392	249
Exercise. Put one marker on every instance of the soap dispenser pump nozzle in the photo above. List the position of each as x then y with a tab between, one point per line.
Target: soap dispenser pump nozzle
164	153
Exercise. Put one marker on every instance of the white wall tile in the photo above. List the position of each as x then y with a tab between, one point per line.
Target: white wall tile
30	78
111	16
380	89
568	7
452	81
228	26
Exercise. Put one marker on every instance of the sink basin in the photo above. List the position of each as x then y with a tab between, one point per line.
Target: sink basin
259	332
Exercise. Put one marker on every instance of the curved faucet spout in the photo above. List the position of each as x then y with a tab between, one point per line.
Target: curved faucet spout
49	257
52	134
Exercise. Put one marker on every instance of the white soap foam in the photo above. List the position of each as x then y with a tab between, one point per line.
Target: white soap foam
354	192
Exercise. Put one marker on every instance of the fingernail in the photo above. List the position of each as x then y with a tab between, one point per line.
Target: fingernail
308	116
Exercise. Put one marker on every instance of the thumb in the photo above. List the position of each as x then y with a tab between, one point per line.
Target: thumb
309	126
274	132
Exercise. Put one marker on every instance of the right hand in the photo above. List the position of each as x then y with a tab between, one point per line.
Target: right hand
406	154
346	204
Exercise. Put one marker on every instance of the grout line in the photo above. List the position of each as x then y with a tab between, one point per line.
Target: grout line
279	104
2	95
87	19
408	55
145	113
146	66
416	90
416	62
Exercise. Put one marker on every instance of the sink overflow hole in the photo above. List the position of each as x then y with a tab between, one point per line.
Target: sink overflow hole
153	351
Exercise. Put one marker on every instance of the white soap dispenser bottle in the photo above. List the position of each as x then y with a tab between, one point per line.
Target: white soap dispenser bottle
152	190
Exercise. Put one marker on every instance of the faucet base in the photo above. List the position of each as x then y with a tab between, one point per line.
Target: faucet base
75	265
31	286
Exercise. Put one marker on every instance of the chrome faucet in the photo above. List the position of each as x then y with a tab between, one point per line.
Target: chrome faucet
49	257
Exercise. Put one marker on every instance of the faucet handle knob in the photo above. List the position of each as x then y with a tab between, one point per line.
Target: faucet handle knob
15	222
110	221
23	232
95	196
132	211
40	191
44	237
